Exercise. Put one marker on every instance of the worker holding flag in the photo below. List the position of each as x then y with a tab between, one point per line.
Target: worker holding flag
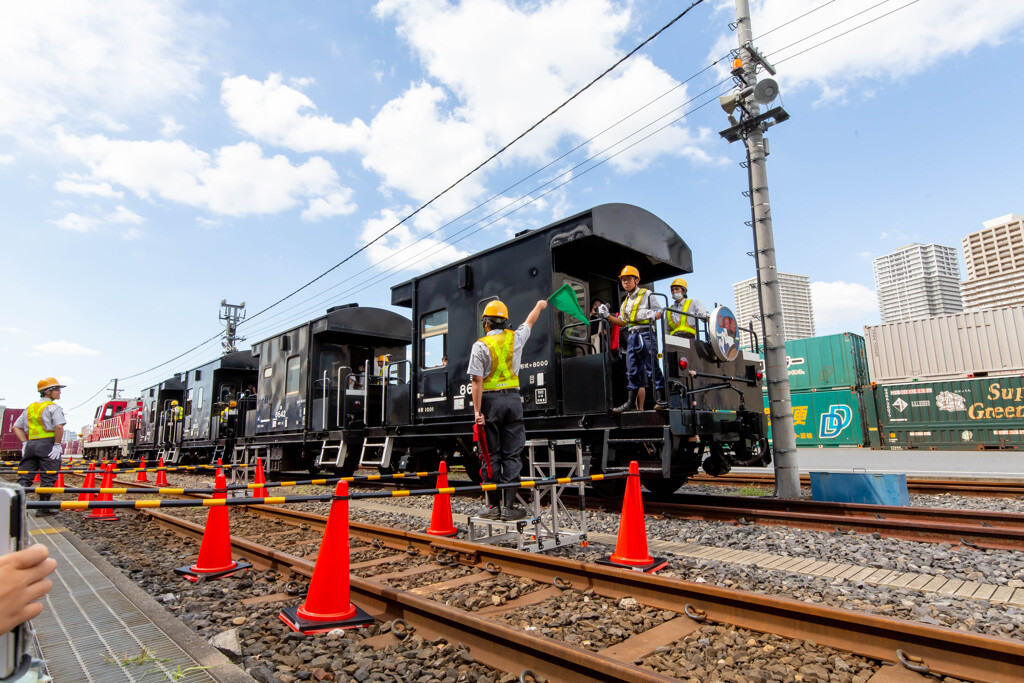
498	407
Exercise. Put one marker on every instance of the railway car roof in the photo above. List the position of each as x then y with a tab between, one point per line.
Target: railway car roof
603	238
376	323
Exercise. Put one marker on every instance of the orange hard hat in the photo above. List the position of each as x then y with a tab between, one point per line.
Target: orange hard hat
629	270
495	309
48	383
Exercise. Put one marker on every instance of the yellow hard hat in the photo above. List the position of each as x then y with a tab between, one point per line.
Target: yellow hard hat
232	404
48	383
495	309
679	282
174	403
629	270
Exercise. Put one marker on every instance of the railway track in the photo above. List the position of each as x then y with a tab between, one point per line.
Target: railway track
927	486
926	648
975	528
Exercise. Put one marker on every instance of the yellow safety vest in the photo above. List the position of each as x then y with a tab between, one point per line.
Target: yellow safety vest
681	325
501	348
36	430
631	316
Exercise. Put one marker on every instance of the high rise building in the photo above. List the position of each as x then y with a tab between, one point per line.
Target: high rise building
918	281
797	310
995	264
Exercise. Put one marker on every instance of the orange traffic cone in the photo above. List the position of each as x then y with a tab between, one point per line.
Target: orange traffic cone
219	466
60	480
161	473
90	482
141	476
101	513
259	491
327	604
37	480
441	518
215	551
631	547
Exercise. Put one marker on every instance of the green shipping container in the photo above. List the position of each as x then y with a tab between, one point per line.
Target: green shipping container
953	415
830	362
827	418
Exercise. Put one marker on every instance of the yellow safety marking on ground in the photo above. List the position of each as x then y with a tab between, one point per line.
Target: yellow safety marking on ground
54	530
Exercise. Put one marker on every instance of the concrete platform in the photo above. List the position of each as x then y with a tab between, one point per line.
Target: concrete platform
95	618
1007	465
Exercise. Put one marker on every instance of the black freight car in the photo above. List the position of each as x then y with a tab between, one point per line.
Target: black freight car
210	391
569	381
159	433
319	386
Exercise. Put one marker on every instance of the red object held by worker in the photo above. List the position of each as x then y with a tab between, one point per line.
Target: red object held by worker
480	446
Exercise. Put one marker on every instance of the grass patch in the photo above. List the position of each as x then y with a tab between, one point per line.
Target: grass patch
754	491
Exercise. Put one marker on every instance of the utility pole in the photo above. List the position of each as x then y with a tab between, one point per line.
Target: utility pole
231	314
747	99
113	394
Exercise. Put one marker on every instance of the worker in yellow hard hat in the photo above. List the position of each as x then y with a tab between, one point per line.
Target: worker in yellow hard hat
638	314
41	429
493	369
683	313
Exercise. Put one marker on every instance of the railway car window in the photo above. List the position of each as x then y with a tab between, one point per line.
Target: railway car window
581	332
109	412
188	403
433	339
292	376
199	398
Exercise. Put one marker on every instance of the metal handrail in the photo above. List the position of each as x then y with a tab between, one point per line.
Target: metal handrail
341	387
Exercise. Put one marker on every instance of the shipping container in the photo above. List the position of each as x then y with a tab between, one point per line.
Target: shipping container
954	415
946	347
827	418
830	362
9	443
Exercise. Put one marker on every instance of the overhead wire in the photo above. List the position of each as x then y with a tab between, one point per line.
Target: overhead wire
520	136
797	18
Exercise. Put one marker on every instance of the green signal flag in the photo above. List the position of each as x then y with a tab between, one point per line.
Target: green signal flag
565	300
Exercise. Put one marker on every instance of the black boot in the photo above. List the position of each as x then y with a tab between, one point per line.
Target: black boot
630	403
509	511
41	512
659	400
492	508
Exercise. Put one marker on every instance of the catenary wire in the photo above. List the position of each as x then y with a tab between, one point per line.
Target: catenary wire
840	35
90	398
785	24
505	147
214	338
831	26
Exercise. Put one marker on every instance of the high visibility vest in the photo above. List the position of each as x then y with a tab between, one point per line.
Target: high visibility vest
635	308
501	348
682	325
36	430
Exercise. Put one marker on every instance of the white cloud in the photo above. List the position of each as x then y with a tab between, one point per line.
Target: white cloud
62	348
397	249
73	183
90	61
843	307
132	234
77	223
10	330
6	159
209	223
123	215
236	180
903	44
335	204
272	112
170	127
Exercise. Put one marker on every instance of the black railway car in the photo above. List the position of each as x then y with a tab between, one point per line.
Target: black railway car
319	385
159	434
209	390
569	384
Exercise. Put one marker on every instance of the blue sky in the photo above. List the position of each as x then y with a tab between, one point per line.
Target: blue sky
157	157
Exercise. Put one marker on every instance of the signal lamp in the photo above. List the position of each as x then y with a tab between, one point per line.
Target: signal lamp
357	405
759	375
683	364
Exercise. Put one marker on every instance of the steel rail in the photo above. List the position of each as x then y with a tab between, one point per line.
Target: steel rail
922	485
974	528
943	650
491	643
